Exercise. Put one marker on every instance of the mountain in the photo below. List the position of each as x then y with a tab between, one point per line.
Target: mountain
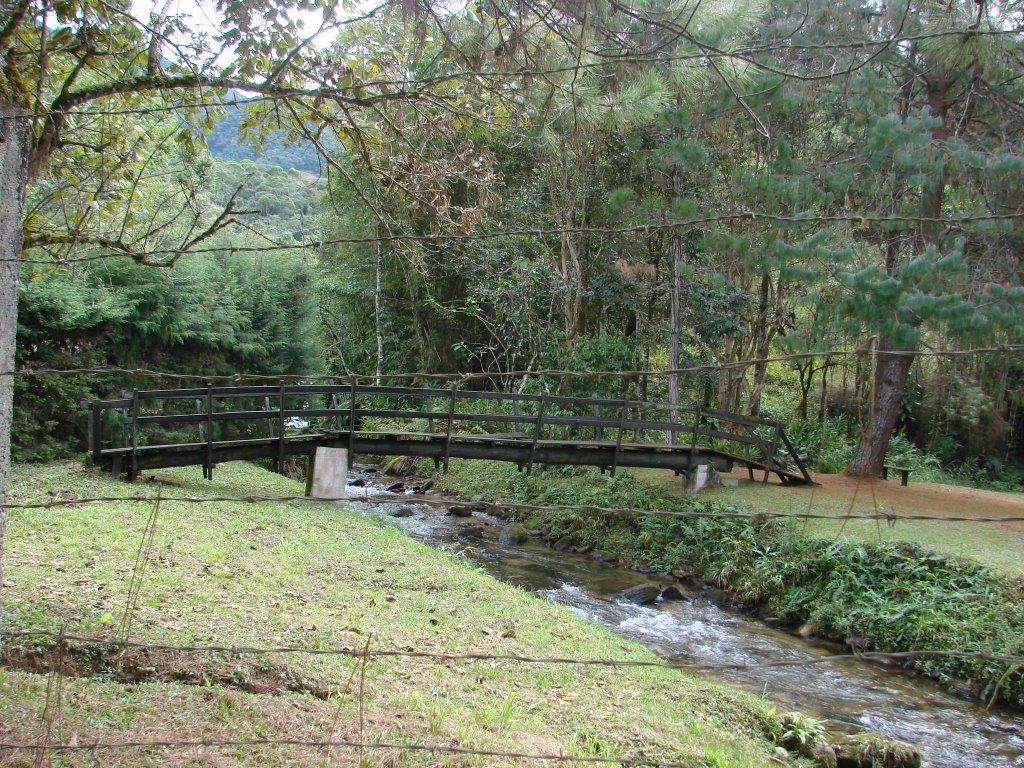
277	149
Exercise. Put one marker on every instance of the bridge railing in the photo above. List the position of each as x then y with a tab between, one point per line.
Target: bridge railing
215	416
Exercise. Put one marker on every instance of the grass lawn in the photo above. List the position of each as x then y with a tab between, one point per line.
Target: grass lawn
316	576
1000	545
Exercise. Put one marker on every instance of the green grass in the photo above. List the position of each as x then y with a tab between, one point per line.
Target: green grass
315	575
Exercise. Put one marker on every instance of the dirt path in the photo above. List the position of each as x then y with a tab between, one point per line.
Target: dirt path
1000	545
921	498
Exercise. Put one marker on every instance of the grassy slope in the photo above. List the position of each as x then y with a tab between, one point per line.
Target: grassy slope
998	545
889	597
316	575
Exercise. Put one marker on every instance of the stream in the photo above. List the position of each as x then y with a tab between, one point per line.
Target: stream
849	695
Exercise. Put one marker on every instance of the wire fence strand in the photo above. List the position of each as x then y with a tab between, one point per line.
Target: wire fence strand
240	376
682	664
498	504
86	746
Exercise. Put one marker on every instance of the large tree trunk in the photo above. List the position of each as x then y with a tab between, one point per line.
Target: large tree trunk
13	173
890	375
890	380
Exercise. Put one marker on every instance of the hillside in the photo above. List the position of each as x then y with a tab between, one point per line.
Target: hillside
318	577
277	148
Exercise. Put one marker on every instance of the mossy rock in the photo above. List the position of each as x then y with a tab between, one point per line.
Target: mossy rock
867	750
514	533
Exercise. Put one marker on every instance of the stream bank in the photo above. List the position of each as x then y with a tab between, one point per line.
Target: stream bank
701	629
889	597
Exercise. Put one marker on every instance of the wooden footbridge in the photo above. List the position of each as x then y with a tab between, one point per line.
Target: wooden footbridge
205	426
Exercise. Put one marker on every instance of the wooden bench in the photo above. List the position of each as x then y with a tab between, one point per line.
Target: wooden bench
904	473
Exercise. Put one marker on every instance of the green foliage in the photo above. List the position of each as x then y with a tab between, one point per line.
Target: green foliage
215	314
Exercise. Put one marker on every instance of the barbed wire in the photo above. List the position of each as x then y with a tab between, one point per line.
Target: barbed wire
576	66
679	664
332	743
500	504
1011	349
125	250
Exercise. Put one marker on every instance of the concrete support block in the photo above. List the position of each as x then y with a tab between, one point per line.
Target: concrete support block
330	470
702	477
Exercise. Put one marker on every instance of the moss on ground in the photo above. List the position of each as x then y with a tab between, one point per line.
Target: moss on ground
316	576
885	596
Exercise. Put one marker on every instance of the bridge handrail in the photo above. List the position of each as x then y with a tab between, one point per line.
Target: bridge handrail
349	413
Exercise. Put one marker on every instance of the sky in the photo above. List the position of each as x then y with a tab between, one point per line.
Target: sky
202	16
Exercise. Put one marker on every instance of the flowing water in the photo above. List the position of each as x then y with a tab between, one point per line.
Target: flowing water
849	695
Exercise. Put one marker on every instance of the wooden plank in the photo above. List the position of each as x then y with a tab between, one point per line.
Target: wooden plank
736	418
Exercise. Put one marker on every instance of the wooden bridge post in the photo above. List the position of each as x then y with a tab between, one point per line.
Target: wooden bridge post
133	471
95	436
796	457
618	436
334	407
697	416
770	458
270	421
352	423
280	426
448	436
124	422
208	467
537	427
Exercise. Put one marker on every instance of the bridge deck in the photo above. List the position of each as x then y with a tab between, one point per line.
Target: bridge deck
710	437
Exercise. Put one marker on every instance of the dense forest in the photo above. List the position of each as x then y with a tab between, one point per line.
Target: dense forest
810	212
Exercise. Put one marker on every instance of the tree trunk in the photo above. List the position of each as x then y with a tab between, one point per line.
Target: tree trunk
730	380
762	342
890	380
378	331
13	174
675	312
